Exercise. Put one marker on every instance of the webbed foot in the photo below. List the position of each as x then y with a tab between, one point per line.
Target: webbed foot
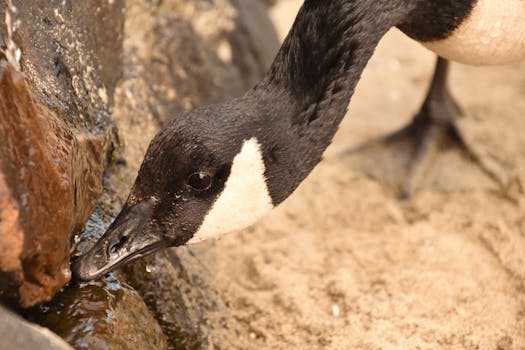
430	152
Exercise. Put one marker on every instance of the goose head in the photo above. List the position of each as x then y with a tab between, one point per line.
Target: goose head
203	175
220	168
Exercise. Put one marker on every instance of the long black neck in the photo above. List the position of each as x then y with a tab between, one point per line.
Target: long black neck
306	92
329	45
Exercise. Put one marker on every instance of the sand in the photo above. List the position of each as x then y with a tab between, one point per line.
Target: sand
345	264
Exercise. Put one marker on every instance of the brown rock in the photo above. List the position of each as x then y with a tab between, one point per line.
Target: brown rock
56	136
43	168
101	316
10	245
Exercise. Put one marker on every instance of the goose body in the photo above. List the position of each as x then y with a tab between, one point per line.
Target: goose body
492	33
220	168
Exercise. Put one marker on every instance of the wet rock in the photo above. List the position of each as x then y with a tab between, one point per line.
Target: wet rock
106	314
19	334
101	315
56	136
71	53
36	163
10	245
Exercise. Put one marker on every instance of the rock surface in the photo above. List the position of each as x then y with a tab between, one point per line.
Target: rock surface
56	134
101	315
16	333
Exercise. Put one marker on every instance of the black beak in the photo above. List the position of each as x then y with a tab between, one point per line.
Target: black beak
128	238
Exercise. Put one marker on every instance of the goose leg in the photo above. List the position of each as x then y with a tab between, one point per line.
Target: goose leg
435	122
404	158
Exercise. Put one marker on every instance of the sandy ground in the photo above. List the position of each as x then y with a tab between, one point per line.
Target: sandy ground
344	264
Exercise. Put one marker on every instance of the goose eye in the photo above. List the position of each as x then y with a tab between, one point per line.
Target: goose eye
199	181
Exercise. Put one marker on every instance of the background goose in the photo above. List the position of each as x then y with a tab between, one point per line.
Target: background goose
220	168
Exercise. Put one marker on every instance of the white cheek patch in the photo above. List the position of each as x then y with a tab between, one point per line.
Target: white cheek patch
244	199
494	33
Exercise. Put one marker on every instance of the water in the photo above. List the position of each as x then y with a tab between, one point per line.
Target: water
100	315
105	314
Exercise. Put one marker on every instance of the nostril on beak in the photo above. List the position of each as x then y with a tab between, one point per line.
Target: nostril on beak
116	247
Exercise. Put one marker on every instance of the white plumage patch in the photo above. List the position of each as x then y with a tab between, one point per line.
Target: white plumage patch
494	33
244	199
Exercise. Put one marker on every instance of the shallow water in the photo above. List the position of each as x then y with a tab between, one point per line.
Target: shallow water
105	314
100	315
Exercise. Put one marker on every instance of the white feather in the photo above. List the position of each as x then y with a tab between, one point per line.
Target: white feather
494	33
244	199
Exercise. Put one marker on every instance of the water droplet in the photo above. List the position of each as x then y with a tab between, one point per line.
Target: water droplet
66	272
44	308
335	310
24	199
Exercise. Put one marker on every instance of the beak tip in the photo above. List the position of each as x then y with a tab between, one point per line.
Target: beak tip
79	273
127	238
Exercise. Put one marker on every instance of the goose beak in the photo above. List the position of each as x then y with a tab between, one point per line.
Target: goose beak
128	238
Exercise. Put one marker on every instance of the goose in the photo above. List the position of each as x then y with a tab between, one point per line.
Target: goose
220	168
